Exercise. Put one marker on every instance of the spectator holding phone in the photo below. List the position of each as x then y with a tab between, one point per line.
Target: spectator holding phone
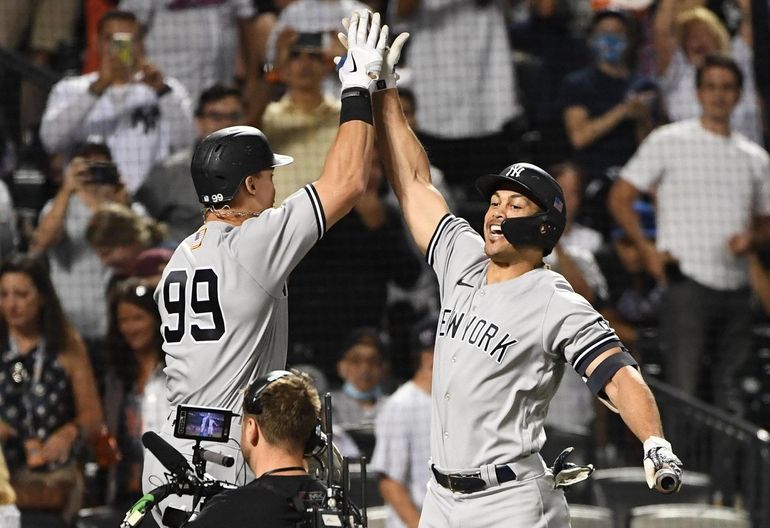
80	278
607	110
142	114
304	122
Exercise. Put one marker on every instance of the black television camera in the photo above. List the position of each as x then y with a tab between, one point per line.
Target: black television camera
322	509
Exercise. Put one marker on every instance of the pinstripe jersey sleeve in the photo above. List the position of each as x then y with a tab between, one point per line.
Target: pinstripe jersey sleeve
453	249
574	330
271	245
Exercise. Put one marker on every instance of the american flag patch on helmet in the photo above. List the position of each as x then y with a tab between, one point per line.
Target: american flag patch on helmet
558	204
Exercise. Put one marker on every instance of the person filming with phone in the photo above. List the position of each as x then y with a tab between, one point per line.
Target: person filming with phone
91	179
142	114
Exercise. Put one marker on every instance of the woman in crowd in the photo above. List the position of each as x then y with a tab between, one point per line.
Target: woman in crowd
48	396
683	38
135	399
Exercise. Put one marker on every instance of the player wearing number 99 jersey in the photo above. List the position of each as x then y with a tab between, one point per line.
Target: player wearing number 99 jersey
223	295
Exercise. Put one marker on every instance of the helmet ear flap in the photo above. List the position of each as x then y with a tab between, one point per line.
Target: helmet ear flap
536	230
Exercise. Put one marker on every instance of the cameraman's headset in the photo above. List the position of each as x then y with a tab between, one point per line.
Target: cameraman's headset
253	405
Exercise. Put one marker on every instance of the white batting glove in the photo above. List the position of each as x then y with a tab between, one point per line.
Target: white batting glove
361	67
388	75
662	468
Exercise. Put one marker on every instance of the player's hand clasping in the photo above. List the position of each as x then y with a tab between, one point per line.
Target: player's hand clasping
388	75
662	468
361	67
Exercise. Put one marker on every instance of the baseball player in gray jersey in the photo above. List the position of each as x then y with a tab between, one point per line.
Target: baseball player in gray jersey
223	294
508	327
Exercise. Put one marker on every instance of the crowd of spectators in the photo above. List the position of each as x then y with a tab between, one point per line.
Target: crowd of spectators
95	193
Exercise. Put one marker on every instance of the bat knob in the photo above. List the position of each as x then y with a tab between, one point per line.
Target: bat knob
667	481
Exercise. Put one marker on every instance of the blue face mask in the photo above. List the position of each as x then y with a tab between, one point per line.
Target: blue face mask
360	395
609	47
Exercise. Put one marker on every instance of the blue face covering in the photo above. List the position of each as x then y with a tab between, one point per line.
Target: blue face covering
360	395
609	47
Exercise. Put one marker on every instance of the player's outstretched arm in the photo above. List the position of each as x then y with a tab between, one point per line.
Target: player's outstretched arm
633	399
346	169
407	169
406	164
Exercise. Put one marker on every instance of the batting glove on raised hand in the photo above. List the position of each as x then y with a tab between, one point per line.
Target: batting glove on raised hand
361	67
662	468
388	75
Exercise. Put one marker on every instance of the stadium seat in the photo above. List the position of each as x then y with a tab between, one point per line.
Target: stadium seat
624	488
377	516
584	516
688	516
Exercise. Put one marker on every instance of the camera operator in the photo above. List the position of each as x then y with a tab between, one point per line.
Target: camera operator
280	413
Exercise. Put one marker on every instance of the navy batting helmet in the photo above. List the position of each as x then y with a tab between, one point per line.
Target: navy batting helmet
542	229
224	158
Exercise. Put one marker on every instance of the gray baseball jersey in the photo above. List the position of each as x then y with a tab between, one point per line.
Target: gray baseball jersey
223	305
223	301
500	352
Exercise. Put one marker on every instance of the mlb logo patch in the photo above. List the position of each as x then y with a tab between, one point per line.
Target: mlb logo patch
198	240
558	204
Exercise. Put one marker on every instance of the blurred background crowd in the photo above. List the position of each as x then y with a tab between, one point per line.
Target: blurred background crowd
102	105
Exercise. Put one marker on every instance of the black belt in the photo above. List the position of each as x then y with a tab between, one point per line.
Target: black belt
471	482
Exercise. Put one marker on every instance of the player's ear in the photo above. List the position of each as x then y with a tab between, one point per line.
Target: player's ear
250	184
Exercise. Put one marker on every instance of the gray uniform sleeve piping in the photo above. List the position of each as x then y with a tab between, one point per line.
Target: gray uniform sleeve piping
429	257
318	209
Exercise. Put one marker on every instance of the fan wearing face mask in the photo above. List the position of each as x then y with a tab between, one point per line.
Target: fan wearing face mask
607	110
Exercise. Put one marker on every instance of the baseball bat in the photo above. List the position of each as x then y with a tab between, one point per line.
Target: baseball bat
667	481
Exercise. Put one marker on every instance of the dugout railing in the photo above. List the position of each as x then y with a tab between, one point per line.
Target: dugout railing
734	452
43	78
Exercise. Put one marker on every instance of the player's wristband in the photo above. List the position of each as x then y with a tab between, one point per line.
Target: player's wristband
386	83
356	106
